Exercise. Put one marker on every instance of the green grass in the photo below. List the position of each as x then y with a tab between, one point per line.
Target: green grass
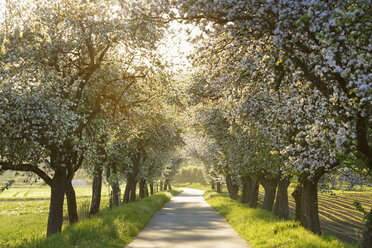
337	214
22	222
114	228
193	185
43	192
262	229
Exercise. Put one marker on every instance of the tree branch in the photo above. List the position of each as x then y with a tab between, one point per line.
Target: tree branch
26	167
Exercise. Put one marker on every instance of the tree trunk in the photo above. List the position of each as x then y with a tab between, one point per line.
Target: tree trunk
297	195
142	190
71	203
55	218
169	186
161	185
231	187
281	208
253	187
270	192
133	195
147	190
244	196
115	193
151	188
127	192
212	185
367	235
310	215
96	191
165	186
219	187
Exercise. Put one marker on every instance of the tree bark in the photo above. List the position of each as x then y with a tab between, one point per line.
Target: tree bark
169	186
115	193
212	185
58	187
161	185
142	190
71	203
165	185
96	190
281	208
297	195
133	195
219	187
253	187
270	191
367	235
231	187
130	189
310	215
126	195
244	196
151	188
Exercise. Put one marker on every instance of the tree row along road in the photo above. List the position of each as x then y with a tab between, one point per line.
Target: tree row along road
188	221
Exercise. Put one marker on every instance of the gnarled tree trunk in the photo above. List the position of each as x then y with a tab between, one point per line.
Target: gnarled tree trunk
96	190
219	187
58	187
281	208
310	215
165	186
151	188
253	187
71	203
231	187
297	196
133	195
130	188
367	235
115	193
115	188
142	190
244	196
270	191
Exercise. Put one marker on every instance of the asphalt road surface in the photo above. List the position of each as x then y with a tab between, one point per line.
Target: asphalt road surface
188	221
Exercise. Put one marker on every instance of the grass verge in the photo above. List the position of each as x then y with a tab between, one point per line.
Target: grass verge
262	229
110	228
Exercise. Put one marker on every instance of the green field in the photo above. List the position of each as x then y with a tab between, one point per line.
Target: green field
24	212
338	216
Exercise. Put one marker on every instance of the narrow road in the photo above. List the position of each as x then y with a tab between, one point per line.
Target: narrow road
188	221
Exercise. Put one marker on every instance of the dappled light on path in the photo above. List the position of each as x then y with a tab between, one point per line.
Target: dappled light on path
188	221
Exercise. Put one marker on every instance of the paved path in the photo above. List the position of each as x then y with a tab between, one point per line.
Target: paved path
188	221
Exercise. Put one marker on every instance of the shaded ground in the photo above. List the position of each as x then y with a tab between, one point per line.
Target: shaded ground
188	221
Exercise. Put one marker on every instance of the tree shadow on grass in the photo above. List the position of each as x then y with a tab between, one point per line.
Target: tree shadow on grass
110	228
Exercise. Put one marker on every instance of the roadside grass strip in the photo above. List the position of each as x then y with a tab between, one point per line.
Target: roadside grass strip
109	228
262	229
